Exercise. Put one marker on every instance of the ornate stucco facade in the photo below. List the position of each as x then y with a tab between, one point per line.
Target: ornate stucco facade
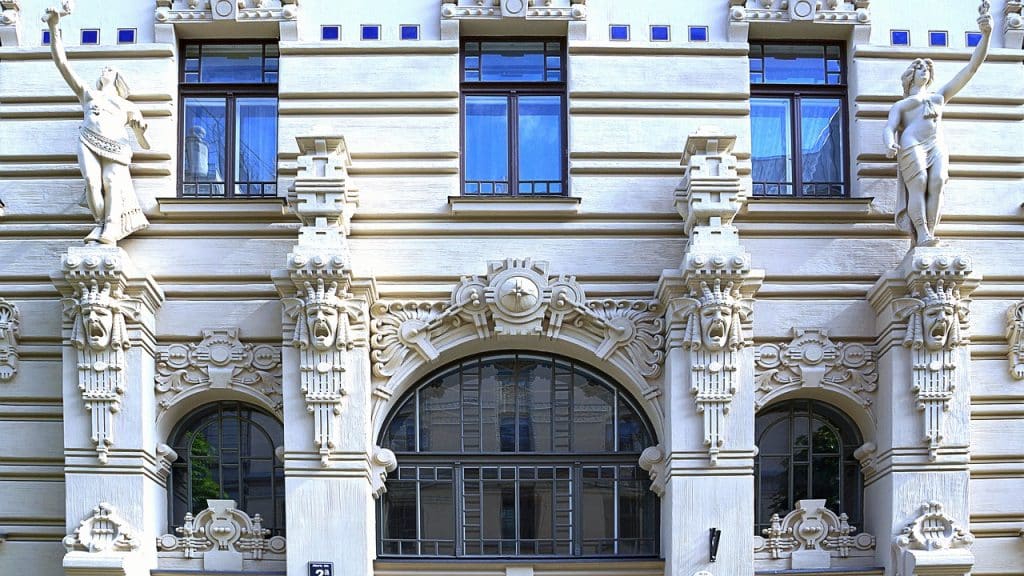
661	268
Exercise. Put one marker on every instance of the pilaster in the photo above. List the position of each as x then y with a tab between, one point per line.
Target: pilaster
329	457
115	475
704	467
923	406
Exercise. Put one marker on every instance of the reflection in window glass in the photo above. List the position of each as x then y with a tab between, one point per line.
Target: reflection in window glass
203	151
232	63
540	144
256	146
794	64
512	62
771	154
821	138
486	145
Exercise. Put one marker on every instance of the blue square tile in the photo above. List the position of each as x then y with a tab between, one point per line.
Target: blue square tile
973	39
370	32
698	33
660	34
938	38
899	37
409	32
126	36
46	37
618	32
90	37
330	32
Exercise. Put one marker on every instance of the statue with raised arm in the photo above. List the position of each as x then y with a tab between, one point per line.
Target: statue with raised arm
913	135
104	150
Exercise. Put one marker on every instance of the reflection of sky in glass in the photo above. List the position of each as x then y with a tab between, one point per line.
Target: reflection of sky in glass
204	124
512	62
821	139
486	146
771	139
540	138
256	140
794	64
232	63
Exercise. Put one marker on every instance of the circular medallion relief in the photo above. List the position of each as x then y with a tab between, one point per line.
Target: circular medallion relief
803	9
514	6
518	295
223	8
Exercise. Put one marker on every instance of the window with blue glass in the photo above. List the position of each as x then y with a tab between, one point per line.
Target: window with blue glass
517	455
513	115
798	120
228	132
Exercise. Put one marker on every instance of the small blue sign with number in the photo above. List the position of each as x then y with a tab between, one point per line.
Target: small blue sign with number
321	569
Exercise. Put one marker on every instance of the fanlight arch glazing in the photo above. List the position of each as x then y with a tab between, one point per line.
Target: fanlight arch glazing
517	454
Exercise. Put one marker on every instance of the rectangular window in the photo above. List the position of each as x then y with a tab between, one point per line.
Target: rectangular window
228	132
126	35
798	120
514	129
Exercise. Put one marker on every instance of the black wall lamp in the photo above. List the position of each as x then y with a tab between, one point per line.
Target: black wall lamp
715	536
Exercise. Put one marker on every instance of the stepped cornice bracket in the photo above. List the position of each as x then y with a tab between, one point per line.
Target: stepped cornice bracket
223	537
219	361
933	544
102	532
811	536
1013	24
10	22
813	361
574	10
324	200
1014	340
518	298
10	331
710	193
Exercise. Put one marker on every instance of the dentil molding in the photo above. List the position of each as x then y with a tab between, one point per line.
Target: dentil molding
219	361
811	536
223	536
10	330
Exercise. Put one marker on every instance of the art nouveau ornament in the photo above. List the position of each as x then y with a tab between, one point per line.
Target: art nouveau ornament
526	9
219	361
329	323
382	462
223	536
653	461
100	336
10	330
1015	339
810	536
933	543
10	22
102	532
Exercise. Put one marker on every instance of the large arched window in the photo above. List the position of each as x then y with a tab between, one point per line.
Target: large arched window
226	451
517	455
805	450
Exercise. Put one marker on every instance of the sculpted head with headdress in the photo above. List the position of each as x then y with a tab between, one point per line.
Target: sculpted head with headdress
98	316
715	317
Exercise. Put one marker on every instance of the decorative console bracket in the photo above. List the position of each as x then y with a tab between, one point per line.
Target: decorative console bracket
744	13
223	536
211	12
1015	339
933	545
810	537
10	22
10	330
1013	24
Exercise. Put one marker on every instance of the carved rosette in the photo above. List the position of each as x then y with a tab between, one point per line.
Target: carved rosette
219	361
812	360
223	537
518	298
10	331
937	332
811	535
1015	339
103	531
527	9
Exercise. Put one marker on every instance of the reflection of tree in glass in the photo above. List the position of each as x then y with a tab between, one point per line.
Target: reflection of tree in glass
202	462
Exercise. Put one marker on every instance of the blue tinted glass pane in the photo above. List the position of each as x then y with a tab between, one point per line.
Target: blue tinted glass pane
191	65
900	37
330	32
371	32
618	32
90	36
271	64
486	148
232	63
936	38
410	32
126	36
203	149
659	33
256	140
698	34
833	66
472	62
821	137
46	37
540	138
771	140
789	64
973	39
756	65
512	62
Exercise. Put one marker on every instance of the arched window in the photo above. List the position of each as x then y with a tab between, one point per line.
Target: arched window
226	451
805	450
517	455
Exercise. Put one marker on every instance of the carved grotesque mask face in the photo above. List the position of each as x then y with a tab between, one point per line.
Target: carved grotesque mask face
937	320
322	322
715	320
98	324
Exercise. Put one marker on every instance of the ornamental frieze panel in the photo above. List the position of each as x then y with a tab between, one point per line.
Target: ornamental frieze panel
810	536
219	361
813	361
526	9
104	531
223	537
517	298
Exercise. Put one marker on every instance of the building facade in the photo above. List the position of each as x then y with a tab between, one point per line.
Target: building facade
553	287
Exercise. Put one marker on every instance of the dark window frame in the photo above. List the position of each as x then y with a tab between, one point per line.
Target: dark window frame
511	90
458	461
795	93
230	92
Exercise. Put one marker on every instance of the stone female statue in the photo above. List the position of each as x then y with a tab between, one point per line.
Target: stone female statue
104	151
913	135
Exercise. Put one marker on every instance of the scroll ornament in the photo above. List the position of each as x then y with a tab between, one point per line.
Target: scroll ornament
222	536
518	298
99	334
10	331
933	529
811	530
